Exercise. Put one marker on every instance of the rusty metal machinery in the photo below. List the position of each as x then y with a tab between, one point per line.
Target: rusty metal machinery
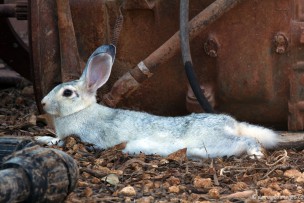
247	54
14	43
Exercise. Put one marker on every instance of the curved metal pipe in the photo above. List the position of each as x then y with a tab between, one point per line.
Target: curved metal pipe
186	55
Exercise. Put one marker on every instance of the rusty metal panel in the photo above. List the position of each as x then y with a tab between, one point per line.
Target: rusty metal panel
252	68
249	61
51	57
13	50
165	92
296	76
44	42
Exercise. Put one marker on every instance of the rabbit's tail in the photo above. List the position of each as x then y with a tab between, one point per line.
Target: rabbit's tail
266	137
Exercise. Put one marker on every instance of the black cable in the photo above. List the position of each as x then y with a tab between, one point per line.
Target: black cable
186	55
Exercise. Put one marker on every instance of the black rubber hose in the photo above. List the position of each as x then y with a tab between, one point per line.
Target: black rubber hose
186	55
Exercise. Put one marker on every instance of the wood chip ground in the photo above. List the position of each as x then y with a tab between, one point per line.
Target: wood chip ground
112	176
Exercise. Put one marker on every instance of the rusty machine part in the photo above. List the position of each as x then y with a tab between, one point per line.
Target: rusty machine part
130	81
251	53
36	174
14	36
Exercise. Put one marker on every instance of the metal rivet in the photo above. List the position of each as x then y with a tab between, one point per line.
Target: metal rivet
211	47
280	43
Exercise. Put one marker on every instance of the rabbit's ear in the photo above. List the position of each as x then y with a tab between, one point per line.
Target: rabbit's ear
98	68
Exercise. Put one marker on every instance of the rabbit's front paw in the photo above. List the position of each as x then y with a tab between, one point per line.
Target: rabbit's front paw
48	140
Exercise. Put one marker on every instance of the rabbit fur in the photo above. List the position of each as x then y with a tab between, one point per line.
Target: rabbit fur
75	111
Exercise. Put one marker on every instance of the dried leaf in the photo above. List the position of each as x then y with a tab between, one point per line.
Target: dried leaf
88	192
173	189
286	192
128	191
292	173
239	186
111	179
300	179
214	193
173	180
179	156
202	182
239	195
32	120
269	192
28	91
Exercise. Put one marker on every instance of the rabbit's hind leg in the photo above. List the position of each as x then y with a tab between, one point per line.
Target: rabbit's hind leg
231	145
251	146
151	146
254	149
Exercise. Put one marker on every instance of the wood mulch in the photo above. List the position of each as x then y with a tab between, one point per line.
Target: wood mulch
112	176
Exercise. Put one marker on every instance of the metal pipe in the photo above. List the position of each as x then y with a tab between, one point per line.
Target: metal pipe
130	81
187	60
70	60
7	10
184	30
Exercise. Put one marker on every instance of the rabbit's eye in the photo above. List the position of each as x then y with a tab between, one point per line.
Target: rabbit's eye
67	93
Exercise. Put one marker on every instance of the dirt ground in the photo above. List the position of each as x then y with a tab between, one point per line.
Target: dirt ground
111	176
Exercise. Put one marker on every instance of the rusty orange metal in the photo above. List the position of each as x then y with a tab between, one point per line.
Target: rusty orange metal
13	48
249	61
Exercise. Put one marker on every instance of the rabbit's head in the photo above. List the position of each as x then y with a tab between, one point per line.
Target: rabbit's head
70	97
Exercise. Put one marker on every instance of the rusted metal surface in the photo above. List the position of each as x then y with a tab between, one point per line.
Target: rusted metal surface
7	10
248	61
21	9
139	4
12	50
18	9
96	32
170	48
296	75
47	52
252	78
18	24
15	55
45	48
70	64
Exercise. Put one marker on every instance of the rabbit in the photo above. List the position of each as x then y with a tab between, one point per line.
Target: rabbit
75	111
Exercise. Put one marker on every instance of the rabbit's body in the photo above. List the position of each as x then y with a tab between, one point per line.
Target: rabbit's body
204	135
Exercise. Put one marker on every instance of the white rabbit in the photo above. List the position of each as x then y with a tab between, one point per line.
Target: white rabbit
75	111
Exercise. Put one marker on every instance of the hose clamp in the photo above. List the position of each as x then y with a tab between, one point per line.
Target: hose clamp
144	69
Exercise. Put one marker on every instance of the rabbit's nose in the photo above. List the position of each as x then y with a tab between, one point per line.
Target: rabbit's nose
43	102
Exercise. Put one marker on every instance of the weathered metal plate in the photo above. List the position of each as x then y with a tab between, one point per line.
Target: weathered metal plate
245	57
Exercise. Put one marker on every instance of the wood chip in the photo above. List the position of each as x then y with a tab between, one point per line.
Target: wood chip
128	191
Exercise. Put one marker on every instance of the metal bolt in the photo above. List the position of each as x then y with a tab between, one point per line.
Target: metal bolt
280	43
280	50
211	47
